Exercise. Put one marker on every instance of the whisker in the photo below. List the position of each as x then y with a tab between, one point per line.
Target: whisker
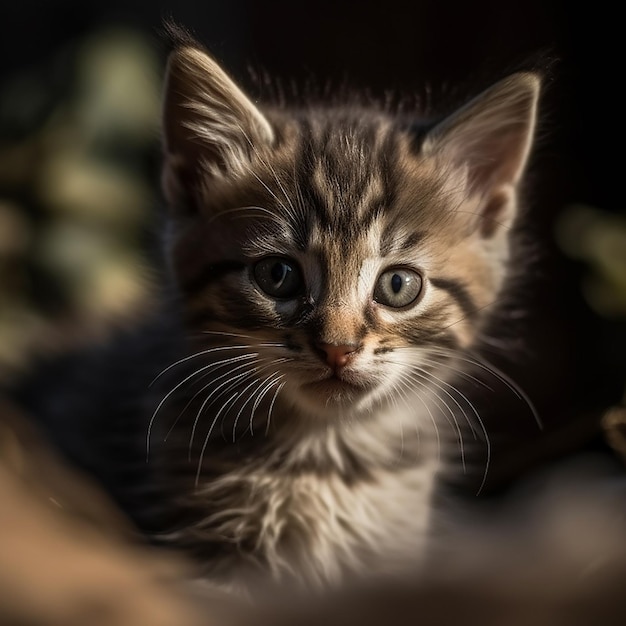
488	450
168	395
482	363
438	383
269	412
269	383
206	440
195	355
267	344
229	384
447	384
259	384
482	426
208	373
226	386
514	387
426	376
257	370
393	400
408	387
462	374
226	333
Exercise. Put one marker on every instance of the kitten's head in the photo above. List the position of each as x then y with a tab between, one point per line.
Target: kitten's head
344	247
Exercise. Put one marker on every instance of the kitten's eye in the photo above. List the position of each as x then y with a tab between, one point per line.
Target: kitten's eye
279	277
398	288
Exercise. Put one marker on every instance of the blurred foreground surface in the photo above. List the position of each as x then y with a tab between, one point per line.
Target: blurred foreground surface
67	556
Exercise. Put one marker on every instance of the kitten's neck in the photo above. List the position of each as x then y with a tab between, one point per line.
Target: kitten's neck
381	438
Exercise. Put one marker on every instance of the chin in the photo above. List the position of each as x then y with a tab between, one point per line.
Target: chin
332	397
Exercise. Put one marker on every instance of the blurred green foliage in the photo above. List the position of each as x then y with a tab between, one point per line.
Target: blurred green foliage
78	181
598	239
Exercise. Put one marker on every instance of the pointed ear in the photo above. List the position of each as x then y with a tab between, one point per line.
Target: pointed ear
210	127
489	141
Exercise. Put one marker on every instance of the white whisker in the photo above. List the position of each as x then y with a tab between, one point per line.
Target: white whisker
269	412
268	384
169	394
424	376
488	367
216	365
225	387
403	380
439	382
462	374
195	355
257	370
513	386
206	440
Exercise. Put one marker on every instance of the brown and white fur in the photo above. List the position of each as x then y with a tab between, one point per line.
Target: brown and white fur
334	263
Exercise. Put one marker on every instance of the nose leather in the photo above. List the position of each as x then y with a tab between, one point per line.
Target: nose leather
337	356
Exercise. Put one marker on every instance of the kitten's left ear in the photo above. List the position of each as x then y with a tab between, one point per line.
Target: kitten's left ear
489	141
210	126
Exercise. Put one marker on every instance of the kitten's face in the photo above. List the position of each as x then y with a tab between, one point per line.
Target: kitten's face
343	257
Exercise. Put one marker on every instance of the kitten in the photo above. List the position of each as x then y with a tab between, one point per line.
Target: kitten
334	263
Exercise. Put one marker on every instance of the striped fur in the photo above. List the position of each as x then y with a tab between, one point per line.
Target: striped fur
286	463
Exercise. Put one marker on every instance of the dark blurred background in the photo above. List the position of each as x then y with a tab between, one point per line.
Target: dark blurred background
79	154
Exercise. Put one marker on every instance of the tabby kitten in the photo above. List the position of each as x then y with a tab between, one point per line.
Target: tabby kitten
333	265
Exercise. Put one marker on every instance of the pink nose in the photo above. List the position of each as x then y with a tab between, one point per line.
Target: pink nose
337	356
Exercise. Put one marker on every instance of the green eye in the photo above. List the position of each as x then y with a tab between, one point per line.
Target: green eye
279	277
398	288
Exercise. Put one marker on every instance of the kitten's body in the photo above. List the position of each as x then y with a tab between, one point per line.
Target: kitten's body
333	265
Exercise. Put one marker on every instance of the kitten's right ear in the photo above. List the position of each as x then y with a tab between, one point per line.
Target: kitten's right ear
489	141
210	126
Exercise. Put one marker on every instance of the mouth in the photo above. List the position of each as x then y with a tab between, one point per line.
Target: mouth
334	386
330	394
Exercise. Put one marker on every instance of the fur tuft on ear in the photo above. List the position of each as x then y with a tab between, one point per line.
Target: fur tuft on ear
489	141
176	36
210	126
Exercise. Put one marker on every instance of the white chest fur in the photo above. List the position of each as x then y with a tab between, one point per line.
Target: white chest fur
317	525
